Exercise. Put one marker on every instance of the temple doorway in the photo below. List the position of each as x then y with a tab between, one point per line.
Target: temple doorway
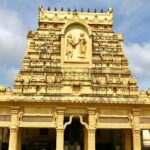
112	140
4	138
74	135
38	139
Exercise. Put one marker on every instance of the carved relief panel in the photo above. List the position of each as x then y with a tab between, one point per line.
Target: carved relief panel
76	46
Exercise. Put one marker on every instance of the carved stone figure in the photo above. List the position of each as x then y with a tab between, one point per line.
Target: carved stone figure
103	80
19	78
57	78
82	45
70	45
26	80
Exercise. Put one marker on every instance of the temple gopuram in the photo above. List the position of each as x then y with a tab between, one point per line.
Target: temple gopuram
74	90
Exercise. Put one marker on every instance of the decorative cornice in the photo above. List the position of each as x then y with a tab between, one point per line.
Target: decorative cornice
73	99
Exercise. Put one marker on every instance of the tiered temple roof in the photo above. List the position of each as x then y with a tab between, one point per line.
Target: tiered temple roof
93	69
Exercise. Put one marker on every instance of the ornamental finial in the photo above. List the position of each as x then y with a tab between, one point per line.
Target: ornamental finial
110	10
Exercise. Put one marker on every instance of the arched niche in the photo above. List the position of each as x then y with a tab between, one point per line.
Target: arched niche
77	22
76	45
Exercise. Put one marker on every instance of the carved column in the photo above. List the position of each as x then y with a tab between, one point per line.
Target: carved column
14	116
136	130
136	139
91	139
91	129
13	138
128	139
60	129
60	139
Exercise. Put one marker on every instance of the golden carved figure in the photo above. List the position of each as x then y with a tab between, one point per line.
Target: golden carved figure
82	45
70	43
70	46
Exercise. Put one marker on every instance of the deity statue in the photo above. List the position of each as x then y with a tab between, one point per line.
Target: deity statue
71	45
82	45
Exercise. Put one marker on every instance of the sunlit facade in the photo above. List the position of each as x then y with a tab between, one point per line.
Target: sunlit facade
74	90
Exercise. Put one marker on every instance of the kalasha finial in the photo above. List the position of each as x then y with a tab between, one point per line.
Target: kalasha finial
62	9
110	10
55	9
68	9
48	8
88	10
2	88
82	10
75	10
95	10
40	8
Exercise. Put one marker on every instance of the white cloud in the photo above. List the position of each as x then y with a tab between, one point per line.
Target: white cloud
12	37
12	44
8	75
139	62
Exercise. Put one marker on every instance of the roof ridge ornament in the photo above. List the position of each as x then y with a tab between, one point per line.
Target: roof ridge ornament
110	10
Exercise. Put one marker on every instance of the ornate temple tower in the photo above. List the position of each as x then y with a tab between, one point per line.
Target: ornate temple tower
74	82
76	54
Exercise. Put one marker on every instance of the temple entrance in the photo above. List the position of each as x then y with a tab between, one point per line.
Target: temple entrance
110	139
4	138
74	135
38	139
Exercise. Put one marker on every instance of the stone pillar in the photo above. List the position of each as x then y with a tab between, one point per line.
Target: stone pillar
91	139
59	139
60	129
91	129
136	139
13	138
136	130
128	139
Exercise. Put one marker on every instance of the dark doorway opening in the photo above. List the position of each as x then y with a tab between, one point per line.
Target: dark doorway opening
38	139
109	139
74	135
4	138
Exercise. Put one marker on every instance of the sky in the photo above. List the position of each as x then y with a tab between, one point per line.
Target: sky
131	17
